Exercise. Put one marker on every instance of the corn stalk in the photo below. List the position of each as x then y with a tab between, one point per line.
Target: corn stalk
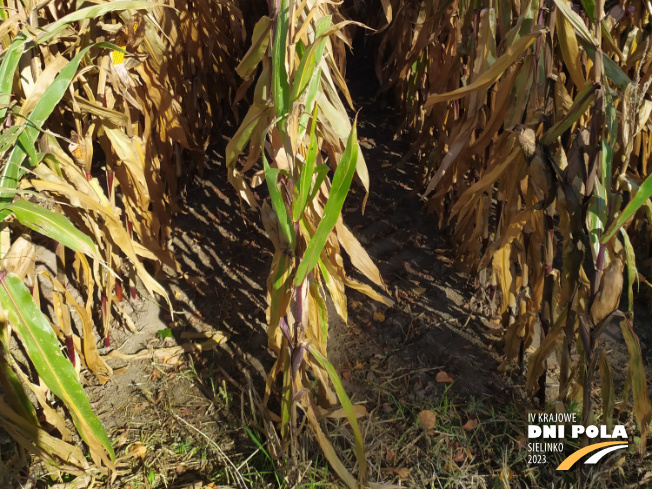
298	125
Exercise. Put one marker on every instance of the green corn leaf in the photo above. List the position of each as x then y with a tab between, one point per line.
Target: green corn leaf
597	215
311	95
12	172
639	200
10	136
321	171
339	190
8	68
27	145
307	172
632	271
589	6
348	409
52	225
281	87
271	177
13	54
310	58
57	372
579	107
611	69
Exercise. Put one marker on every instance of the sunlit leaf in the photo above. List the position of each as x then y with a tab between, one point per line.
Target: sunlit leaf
56	371
339	190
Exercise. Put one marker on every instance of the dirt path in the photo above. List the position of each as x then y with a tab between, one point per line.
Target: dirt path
432	327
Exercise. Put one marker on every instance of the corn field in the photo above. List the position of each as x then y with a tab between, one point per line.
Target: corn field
528	121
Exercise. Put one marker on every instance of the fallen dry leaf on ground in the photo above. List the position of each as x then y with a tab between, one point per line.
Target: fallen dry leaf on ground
359	410
379	317
402	472
429	421
471	424
459	456
138	450
390	455
443	377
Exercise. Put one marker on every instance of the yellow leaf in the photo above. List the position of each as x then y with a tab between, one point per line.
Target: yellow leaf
138	450
491	76
502	270
358	255
402	472
359	410
570	51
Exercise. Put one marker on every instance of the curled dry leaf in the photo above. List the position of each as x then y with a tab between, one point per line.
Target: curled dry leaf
429	421
390	456
471	424
138	450
443	377
460	455
402	472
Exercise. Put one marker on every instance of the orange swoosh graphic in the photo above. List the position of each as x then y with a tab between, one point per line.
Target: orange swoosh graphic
574	457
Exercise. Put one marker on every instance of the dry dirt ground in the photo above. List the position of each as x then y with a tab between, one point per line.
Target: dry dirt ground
192	421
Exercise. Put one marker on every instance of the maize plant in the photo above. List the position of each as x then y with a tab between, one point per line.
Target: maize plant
95	110
533	127
298	125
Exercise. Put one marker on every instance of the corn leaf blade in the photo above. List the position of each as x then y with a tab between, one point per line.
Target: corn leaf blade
56	371
339	190
52	225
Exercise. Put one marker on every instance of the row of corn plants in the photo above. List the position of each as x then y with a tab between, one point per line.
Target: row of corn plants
97	103
298	125
96	107
531	121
